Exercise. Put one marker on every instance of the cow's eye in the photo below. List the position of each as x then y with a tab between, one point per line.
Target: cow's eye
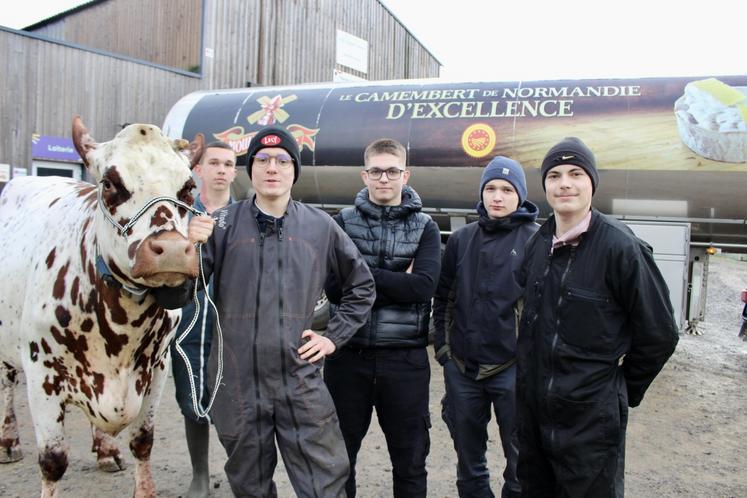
114	192
185	193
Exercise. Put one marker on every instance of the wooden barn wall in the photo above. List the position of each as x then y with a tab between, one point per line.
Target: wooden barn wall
44	84
271	42
264	42
165	32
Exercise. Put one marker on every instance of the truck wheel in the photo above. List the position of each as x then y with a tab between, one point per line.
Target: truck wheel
321	313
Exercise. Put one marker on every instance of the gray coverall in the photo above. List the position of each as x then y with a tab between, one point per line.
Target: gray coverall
267	278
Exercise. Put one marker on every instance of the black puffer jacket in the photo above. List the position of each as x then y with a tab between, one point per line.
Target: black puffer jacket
474	309
389	238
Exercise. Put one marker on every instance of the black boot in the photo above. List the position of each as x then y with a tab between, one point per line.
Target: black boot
198	441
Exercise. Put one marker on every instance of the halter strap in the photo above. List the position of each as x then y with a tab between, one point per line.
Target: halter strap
123	229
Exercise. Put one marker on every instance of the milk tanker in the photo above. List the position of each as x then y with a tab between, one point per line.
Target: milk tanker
670	151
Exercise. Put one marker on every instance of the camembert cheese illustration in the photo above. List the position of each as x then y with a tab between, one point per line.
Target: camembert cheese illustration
712	120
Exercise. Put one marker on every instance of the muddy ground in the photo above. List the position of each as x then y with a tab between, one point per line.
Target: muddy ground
687	439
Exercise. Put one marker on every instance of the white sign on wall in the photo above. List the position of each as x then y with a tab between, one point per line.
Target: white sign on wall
4	172
352	51
20	172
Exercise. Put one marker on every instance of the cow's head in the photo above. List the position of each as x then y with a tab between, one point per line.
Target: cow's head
138	165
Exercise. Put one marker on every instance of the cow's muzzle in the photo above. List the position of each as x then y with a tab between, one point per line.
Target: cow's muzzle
166	258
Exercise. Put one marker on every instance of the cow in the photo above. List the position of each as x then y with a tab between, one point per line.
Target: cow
82	268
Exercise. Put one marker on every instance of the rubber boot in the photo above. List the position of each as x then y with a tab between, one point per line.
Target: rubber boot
198	442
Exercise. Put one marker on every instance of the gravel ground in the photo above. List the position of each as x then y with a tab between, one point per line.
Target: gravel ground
686	439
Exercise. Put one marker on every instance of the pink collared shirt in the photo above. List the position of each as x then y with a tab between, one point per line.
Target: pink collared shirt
572	236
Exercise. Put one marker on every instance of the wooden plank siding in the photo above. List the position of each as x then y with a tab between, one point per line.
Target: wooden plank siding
165	32
44	84
274	42
263	42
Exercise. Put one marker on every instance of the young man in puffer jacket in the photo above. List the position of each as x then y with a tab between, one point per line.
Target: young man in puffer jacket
385	364
475	317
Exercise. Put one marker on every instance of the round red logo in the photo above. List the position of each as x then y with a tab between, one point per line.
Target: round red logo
270	140
478	140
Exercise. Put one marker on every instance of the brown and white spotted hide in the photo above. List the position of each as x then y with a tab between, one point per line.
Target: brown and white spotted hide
79	339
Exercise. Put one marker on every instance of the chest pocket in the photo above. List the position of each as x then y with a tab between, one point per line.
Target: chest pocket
589	319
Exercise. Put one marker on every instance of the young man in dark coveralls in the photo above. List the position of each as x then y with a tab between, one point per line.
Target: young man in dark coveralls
596	329
269	257
216	171
475	317
385	364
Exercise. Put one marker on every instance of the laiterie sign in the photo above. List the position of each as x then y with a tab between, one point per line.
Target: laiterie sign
53	148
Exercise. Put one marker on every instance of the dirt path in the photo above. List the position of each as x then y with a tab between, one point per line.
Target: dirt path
687	439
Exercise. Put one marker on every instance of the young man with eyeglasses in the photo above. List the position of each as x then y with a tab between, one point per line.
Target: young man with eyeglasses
475	315
385	364
269	257
215	171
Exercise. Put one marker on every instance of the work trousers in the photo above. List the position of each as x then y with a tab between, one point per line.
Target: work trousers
466	412
395	382
573	449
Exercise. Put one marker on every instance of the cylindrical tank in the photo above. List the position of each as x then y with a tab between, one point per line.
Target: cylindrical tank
662	153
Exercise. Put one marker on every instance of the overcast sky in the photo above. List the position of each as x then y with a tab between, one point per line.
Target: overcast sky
550	39
23	14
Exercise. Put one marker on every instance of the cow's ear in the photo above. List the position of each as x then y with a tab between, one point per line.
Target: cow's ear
193	150
84	142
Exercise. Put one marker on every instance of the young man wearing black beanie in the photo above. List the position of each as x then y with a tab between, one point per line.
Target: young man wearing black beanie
270	256
475	312
596	328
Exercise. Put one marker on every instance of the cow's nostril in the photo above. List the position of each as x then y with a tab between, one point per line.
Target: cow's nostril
156	248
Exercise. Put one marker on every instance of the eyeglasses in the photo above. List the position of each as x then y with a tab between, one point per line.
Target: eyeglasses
262	160
391	173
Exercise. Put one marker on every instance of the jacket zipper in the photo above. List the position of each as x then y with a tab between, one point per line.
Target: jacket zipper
555	336
284	358
384	237
382	253
255	356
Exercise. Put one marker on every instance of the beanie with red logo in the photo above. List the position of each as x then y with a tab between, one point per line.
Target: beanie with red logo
274	136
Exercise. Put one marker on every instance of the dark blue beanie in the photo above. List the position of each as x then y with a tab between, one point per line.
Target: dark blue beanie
503	168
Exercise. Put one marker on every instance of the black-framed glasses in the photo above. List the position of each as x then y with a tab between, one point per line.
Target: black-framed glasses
391	173
263	160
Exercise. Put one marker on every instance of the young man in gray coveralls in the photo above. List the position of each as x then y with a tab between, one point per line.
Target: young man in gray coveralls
269	257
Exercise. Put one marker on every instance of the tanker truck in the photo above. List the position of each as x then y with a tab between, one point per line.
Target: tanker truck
671	152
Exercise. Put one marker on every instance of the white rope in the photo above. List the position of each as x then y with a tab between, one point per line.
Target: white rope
219	374
122	230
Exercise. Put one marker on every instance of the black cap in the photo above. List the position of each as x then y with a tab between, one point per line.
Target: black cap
571	150
274	136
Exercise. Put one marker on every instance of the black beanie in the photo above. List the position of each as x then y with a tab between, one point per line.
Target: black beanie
571	150
274	136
